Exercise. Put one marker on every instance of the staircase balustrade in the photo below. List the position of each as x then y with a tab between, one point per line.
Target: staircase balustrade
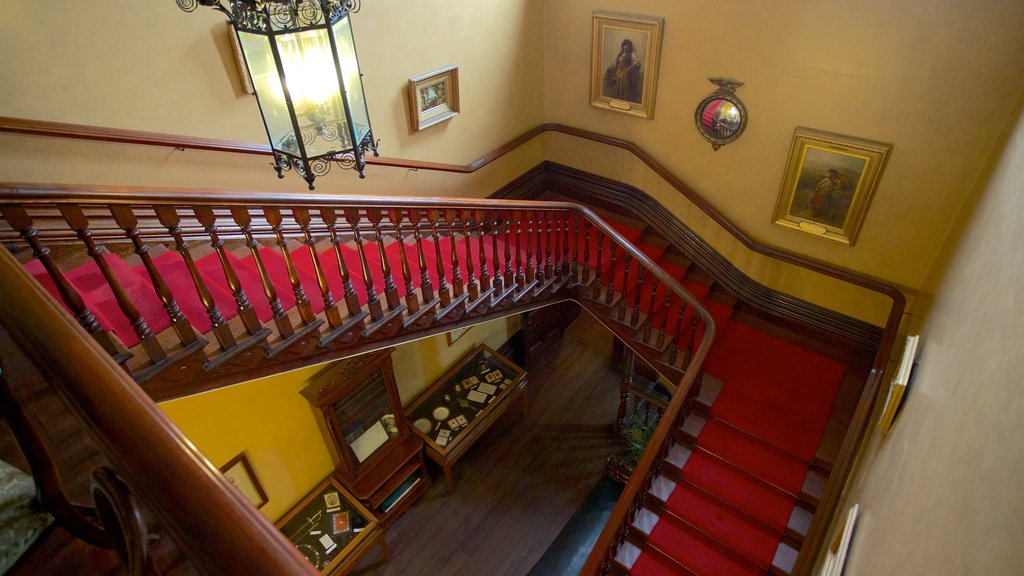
294	247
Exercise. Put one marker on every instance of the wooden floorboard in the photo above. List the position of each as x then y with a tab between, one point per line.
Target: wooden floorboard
523	480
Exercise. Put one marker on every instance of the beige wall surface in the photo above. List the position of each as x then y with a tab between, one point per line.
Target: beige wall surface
149	66
941	493
936	80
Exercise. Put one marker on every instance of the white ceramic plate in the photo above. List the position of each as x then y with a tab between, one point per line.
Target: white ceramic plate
423	424
441	413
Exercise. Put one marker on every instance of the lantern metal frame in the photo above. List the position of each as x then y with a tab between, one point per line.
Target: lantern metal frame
274	18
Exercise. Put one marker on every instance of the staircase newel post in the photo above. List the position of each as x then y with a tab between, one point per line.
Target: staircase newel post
22	222
245	310
273	216
168	217
126	219
240	214
352	216
76	219
302	218
412	303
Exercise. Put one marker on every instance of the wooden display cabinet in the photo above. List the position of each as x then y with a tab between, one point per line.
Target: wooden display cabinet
375	454
332	529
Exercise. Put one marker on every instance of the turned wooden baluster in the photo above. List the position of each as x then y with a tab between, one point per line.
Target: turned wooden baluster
648	322
241	216
664	319
531	271
494	221
626	261
273	216
457	286
517	217
245	310
20	221
426	287
76	219
353	217
568	266
677	334
614	250
628	371
481	243
374	215
585	271
127	221
510	274
331	311
467	238
412	303
330	217
168	216
635	316
549	263
597	266
693	338
442	284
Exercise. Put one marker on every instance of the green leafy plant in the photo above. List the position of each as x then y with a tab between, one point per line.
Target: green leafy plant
637	433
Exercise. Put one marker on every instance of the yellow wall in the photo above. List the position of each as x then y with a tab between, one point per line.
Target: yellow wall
941	493
274	424
936	80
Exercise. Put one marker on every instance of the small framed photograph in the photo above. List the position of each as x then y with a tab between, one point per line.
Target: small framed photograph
240	473
625	57
828	184
433	97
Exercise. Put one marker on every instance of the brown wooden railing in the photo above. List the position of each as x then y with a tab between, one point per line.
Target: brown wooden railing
457	262
857	431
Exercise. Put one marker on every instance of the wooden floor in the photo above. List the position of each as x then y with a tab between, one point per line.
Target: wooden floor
521	482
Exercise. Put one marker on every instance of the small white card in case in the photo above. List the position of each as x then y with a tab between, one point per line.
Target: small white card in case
477	396
487	388
462	420
442	440
327	543
454	424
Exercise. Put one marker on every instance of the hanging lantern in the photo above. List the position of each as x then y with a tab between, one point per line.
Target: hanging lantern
301	57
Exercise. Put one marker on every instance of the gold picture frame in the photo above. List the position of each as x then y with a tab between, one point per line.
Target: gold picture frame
433	97
243	70
625	56
239	472
828	184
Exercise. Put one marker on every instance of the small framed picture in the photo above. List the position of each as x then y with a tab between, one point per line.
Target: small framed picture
433	97
828	184
624	63
240	473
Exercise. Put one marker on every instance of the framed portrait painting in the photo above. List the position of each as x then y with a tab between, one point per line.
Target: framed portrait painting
240	474
624	62
433	97
828	184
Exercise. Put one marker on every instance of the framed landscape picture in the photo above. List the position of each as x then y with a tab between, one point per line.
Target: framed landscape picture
433	97
624	62
828	184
